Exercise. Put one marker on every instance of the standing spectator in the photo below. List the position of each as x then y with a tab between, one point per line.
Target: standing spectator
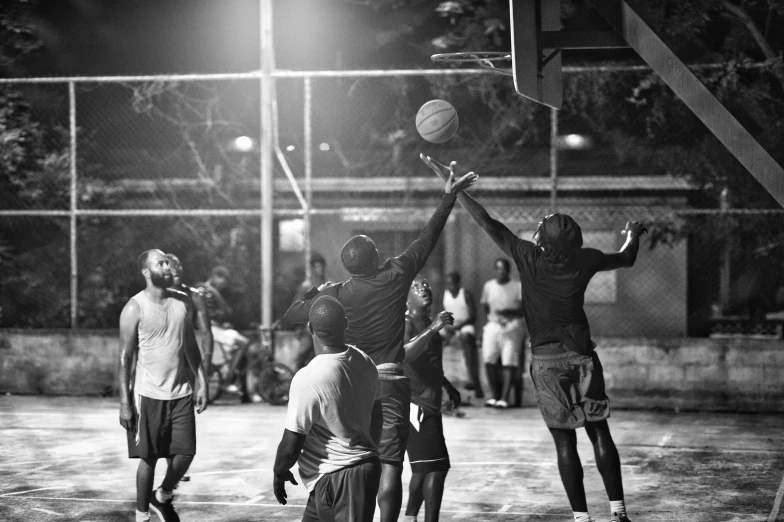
504	333
459	301
233	342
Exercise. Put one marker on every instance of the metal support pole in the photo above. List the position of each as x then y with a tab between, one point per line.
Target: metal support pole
266	152
308	145
74	201
553	160
725	279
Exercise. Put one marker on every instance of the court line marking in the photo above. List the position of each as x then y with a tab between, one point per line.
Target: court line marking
505	508
664	440
254	500
774	513
48	512
33	490
276	505
14	464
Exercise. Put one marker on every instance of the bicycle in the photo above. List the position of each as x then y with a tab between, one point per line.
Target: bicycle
270	379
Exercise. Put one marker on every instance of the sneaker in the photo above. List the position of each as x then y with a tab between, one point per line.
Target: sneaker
185	478
490	403
164	510
618	518
233	388
256	398
501	404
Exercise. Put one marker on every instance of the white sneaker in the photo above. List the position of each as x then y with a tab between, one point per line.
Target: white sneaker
256	398
501	404
232	388
490	403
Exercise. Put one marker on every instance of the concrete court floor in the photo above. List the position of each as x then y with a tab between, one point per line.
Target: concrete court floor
65	459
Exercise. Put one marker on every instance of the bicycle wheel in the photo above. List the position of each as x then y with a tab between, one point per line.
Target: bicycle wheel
275	382
214	385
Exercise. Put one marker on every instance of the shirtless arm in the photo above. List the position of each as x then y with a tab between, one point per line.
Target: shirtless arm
129	323
626	257
288	453
193	356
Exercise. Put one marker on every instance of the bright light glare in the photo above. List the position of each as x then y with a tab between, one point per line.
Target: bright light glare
243	144
290	148
575	141
324	147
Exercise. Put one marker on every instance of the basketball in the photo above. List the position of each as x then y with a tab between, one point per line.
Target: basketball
436	121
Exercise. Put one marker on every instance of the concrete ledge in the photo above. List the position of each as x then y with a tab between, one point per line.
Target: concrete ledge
672	374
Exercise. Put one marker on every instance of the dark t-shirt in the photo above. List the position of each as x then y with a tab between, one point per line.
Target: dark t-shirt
376	304
426	372
217	307
553	297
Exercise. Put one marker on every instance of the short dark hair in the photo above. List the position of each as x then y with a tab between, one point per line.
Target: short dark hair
359	255
454	275
327	317
173	257
560	237
505	262
142	261
316	258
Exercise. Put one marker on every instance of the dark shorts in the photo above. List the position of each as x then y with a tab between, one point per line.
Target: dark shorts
163	428
426	445
395	406
346	495
569	389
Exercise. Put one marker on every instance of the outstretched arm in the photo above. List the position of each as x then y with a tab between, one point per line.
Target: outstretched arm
415	256
498	232
628	254
299	311
416	345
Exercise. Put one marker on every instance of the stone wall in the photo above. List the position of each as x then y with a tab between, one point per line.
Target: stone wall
668	373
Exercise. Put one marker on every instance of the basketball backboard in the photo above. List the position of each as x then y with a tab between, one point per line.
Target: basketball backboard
537	72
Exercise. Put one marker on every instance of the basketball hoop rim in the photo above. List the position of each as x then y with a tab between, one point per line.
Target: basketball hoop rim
484	59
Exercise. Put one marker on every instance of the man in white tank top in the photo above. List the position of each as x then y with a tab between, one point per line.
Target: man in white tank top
157	411
460	303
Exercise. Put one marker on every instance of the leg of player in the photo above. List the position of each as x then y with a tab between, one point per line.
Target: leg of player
609	464
390	492
415	496
508	377
434	493
571	471
145	475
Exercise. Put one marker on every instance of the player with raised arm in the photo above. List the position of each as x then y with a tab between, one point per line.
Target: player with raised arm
555	270
375	302
157	413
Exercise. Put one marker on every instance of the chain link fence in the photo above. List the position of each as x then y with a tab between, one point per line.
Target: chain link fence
173	163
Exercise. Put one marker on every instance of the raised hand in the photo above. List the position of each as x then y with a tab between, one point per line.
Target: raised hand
441	170
454	186
634	228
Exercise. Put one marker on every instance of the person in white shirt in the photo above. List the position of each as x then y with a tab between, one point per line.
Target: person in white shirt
333	425
504	334
459	301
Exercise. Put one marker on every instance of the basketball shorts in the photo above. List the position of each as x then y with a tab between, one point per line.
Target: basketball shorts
395	406
346	495
163	428
504	342
426	445
569	389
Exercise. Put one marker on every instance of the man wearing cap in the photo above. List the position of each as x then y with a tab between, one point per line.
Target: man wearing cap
333	425
554	272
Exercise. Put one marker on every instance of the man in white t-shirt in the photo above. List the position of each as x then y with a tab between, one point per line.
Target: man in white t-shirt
504	334
333	425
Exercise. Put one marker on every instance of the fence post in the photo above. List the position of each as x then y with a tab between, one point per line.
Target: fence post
308	145
265	181
74	201
553	160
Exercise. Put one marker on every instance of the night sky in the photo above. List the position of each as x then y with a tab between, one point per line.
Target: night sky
110	37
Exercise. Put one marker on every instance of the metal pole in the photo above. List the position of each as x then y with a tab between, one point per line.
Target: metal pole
74	200
266	182
308	144
725	279
553	160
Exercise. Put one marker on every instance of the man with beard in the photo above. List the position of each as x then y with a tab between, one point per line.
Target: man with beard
157	412
423	365
375	302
